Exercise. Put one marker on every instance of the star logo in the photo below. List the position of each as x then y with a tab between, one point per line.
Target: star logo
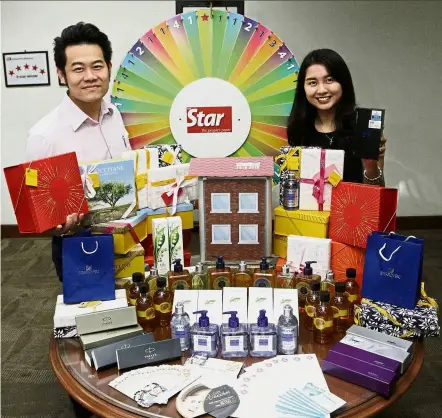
205	17
11	72
18	68
34	67
26	66
42	71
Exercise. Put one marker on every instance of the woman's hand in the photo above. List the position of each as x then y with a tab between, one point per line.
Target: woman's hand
72	221
382	149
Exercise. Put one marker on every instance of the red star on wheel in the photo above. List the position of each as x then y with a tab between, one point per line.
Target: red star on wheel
11	72
34	67
26	66
42	71
18	68
205	17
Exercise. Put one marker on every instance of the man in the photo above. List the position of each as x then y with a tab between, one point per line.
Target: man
83	122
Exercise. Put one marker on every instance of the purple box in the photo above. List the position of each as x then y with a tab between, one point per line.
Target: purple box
359	373
366	357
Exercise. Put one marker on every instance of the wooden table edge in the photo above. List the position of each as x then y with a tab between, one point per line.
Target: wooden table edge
102	408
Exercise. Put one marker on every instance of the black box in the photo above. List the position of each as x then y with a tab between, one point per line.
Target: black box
143	355
369	129
106	355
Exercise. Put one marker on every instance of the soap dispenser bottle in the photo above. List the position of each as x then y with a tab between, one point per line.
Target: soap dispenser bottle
329	283
285	279
351	289
180	326
340	306
145	309
204	336
199	278
311	303
134	289
303	283
162	300
242	277
152	280
220	276
262	337
323	321
233	337
287	332
179	278
264	276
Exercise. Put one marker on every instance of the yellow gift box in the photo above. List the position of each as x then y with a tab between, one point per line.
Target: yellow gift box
183	210
127	232
308	223
280	245
132	262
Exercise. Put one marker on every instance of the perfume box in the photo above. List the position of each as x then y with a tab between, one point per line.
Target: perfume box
282	297
384	350
146	354
160	236
375	360
99	339
106	320
360	373
368	132
235	299
106	355
212	302
260	298
370	334
189	298
183	210
127	264
175	228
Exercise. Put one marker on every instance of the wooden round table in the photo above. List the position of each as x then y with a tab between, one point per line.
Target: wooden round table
91	388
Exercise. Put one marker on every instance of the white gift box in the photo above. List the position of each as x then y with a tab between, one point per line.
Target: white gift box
301	249
160	238
311	189
212	302
173	181
163	155
260	298
235	299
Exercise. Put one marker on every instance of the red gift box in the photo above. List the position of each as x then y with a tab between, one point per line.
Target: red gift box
58	192
359	209
345	256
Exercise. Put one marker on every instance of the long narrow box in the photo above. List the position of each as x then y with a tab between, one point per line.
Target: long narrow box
362	356
106	356
106	320
363	374
379	337
99	339
383	350
146	354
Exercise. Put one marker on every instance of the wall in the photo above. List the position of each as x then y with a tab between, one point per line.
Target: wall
392	48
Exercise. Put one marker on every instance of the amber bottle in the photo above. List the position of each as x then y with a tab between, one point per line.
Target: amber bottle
134	289
163	303
340	308
303	284
351	290
242	278
220	276
179	278
311	303
285	279
145	309
264	276
323	320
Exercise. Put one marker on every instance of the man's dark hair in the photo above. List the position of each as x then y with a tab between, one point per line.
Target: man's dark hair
81	33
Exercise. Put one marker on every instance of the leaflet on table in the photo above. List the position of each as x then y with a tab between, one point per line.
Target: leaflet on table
235	299
260	298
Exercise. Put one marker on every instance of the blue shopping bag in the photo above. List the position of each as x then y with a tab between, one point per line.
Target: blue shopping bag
393	269
88	268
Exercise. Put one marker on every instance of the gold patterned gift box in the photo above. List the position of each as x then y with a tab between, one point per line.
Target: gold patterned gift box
132	262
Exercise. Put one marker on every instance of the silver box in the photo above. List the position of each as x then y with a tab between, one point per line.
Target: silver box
106	320
99	339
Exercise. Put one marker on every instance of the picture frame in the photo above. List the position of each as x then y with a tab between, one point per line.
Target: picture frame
26	69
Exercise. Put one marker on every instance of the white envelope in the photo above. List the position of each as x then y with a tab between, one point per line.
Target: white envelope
260	298
212	302
282	297
310	166
235	299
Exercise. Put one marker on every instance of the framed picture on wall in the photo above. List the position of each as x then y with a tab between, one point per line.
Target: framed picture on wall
24	69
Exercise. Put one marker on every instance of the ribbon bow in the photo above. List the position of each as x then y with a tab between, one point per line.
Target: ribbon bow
88	184
171	196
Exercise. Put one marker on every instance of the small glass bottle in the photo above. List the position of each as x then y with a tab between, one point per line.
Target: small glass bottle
264	276
134	289
179	278
329	283
204	336
287	332
199	278
152	280
163	303
290	191
145	309
323	321
180	326
242	278
220	276
233	337
303	283
262	337
351	290
311	303
285	279
340	308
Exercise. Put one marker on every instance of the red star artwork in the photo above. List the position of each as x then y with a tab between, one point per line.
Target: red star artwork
42	71
205	17
26	66
34	67
18	68
11	72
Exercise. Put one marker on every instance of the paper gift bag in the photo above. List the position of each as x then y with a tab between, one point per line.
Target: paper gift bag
320	170
88	268
44	192
359	209
393	269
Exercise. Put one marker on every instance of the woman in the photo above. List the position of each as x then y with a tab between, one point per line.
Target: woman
323	114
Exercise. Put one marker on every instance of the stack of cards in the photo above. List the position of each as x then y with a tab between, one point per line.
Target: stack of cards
150	385
301	389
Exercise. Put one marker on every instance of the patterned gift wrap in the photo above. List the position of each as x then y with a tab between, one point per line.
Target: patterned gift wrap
168	154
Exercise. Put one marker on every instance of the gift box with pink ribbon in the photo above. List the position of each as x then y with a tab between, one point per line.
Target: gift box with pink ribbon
321	170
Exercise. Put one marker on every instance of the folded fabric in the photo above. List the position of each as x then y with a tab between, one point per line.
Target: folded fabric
422	321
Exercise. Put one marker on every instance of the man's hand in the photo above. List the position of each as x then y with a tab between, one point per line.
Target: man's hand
72	221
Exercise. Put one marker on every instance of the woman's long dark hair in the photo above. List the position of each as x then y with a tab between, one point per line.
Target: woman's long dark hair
303	114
